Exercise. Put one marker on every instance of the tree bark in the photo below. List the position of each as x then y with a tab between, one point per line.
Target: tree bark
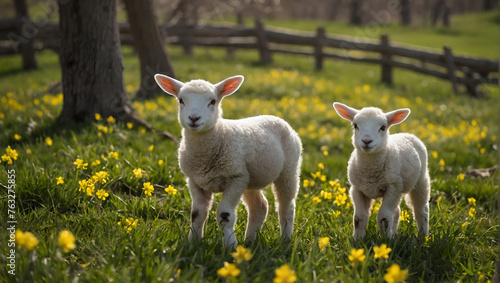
149	45
27	49
91	61
356	12
405	12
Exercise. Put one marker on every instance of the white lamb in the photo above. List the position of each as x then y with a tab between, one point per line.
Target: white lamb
237	158
387	166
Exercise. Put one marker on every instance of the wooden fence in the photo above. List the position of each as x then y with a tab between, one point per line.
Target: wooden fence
459	70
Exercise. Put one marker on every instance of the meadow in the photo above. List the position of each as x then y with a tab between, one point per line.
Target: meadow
91	179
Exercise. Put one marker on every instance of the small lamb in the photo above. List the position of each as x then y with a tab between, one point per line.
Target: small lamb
237	158
387	166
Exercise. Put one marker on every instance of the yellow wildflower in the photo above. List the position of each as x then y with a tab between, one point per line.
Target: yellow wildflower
48	141
305	184
242	254
472	212
113	154
441	163
160	162
80	165
404	215
17	137
101	176
323	242
472	201
95	163
111	120
151	147
357	255
102	194
130	125
137	173
395	274
336	213
66	241
316	200
170	190
460	177
60	181
148	188
130	224
229	270
26	240
382	251
284	274
321	166
97	116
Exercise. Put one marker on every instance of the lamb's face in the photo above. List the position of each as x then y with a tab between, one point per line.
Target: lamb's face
198	106
371	130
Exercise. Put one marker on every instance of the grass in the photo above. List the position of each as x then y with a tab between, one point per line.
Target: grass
460	133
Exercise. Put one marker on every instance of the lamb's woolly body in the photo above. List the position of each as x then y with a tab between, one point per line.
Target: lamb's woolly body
402	162
252	148
234	157
387	166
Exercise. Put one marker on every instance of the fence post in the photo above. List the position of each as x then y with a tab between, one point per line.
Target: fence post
386	60
27	48
318	48
264	52
450	65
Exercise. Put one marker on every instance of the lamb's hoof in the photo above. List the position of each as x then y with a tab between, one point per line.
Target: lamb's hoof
358	234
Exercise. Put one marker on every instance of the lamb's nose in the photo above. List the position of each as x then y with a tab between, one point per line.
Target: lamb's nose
366	141
194	118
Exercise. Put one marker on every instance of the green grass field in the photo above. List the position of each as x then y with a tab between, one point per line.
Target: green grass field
460	133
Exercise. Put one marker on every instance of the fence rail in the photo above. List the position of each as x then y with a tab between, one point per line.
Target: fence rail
467	71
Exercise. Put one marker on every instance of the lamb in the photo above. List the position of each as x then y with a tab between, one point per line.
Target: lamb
387	166
237	158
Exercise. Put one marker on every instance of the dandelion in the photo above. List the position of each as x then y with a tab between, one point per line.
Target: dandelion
148	188
472	201
137	173
336	213
160	162
316	200
17	137
100	177
130	224
130	125
26	240
113	154
242	254
151	147
460	177
472	212
357	255
102	194
80	165
404	215
97	116
48	141
323	242
382	251
111	120
229	270
395	274
60	181
284	274
66	241
170	190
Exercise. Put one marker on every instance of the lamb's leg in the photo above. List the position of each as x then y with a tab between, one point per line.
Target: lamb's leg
226	211
285	189
361	204
257	212
200	206
385	216
395	218
419	198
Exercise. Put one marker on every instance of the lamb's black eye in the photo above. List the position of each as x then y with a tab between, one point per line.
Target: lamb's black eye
355	126
382	128
213	102
181	101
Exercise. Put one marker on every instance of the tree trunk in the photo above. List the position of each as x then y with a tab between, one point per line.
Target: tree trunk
405	12
356	12
149	45
436	11
488	5
27	50
91	61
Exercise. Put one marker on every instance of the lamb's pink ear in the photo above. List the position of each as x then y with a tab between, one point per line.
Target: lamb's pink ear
397	116
345	111
168	84
229	85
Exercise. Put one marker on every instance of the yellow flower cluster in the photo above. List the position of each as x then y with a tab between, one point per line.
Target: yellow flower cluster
66	241
10	154
230	270
170	190
130	224
26	240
